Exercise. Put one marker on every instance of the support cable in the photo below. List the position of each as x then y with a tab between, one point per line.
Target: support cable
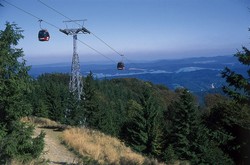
106	43
56	11
30	14
96	51
39	19
81	25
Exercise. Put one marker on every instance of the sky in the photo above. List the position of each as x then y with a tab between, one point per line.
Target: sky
142	30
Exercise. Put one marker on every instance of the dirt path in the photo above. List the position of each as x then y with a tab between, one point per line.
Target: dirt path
54	151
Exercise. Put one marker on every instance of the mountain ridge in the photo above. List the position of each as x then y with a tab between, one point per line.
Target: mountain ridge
197	74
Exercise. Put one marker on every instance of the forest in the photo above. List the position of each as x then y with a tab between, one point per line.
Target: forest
153	120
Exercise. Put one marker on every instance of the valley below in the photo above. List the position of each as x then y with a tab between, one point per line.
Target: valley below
196	74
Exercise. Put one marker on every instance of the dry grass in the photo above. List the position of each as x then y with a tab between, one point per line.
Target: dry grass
93	144
43	122
100	147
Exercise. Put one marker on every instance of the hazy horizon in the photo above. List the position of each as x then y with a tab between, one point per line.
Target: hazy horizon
105	62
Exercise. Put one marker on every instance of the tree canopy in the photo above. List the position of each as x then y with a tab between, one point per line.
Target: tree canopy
16	140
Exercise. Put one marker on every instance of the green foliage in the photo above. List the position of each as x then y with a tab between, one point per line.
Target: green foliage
189	137
133	110
107	122
137	131
142	129
15	137
150	118
14	79
20	146
73	111
51	97
206	149
169	155
230	124
184	120
238	84
91	112
236	114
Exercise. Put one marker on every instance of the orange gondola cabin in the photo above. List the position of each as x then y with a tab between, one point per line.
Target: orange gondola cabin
43	35
120	66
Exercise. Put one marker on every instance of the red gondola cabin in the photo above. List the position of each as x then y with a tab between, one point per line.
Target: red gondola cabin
43	35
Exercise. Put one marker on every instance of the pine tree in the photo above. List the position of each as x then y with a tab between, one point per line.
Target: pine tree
190	139
143	130
15	137
236	116
136	129
91	112
74	111
184	121
238	84
52	94
153	125
169	155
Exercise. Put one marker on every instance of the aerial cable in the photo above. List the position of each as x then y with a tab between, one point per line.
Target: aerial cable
81	25
96	50
40	20
30	14
105	43
56	11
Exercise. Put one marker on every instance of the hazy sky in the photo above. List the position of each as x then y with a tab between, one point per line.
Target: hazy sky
139	29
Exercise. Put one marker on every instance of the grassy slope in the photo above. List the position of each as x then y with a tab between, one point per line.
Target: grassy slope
94	145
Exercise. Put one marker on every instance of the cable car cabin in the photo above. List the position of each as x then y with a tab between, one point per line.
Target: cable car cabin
120	66
43	35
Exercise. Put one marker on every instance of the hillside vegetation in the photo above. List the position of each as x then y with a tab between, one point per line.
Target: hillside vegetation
102	148
151	119
90	146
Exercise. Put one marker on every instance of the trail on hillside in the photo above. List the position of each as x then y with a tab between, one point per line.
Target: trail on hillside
54	151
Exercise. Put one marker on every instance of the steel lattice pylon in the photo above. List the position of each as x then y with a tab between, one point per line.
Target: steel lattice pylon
75	84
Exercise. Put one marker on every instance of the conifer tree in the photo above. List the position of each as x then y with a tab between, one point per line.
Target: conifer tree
236	117
52	94
143	130
15	137
136	129
189	138
239	84
91	112
74	111
184	120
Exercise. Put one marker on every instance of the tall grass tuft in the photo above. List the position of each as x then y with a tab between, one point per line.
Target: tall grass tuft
102	148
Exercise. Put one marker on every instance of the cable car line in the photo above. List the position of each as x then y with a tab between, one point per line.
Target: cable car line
106	43
54	9
81	25
90	32
96	50
30	14
40	20
120	64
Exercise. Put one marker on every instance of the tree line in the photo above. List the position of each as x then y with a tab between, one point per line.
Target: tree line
151	119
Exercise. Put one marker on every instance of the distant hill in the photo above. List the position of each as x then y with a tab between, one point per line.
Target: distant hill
196	74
